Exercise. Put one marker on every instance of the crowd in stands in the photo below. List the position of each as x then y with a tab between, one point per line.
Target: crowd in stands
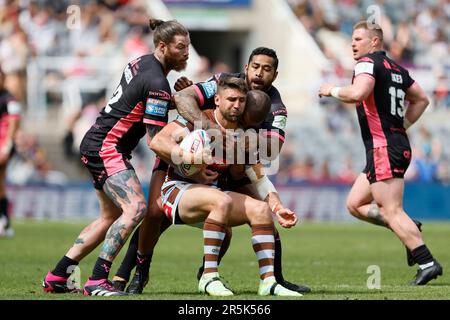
330	156
31	29
30	163
417	35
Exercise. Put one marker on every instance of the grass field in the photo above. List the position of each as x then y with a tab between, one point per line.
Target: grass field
331	258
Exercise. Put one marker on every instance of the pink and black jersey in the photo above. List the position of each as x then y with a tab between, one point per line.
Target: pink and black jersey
381	114
9	108
142	97
275	121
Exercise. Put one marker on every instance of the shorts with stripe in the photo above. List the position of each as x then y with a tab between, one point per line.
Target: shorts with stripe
102	168
171	193
388	162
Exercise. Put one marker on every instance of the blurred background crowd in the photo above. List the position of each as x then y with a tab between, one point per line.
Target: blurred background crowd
416	34
63	69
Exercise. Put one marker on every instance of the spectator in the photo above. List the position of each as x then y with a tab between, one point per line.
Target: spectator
427	155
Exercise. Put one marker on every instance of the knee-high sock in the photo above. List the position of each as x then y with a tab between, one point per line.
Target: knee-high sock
264	247
213	235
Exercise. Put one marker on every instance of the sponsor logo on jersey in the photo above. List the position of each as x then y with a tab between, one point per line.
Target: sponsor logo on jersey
280	109
279	122
364	67
210	88
128	74
160	94
397	78
156	107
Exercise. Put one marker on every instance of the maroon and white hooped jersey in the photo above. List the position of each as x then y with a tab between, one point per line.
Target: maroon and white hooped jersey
275	122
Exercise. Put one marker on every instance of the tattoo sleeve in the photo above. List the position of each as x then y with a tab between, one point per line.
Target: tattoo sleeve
123	188
189	109
119	188
114	240
152	130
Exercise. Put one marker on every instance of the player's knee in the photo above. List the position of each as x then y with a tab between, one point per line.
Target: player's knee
223	204
261	213
352	206
136	211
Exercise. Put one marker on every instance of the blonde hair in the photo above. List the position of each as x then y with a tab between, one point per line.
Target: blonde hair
373	27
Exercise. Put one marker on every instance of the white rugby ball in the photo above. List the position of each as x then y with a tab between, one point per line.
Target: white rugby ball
194	142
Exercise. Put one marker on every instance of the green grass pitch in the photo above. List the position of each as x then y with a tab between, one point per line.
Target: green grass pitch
332	258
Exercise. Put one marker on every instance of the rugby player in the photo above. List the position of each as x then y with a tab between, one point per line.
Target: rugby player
140	104
10	110
187	202
259	73
388	101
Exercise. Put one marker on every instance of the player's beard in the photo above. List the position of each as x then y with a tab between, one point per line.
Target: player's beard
176	64
231	117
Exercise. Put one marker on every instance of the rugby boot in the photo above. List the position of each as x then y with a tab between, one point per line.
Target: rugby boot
423	276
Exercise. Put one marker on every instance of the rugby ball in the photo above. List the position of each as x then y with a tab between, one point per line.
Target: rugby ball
194	142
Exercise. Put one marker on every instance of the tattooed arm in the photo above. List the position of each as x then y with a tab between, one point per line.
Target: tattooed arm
165	144
188	106
152	130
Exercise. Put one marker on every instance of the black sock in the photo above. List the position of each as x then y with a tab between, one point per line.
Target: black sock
101	269
63	269
422	255
4	211
277	269
201	269
129	261
143	263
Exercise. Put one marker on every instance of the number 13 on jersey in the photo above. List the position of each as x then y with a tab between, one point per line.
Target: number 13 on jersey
400	95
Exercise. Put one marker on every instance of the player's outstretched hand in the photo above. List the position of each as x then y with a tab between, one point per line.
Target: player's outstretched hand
181	83
286	218
325	90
